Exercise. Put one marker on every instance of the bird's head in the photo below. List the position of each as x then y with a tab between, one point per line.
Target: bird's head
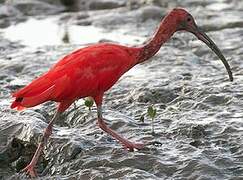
185	22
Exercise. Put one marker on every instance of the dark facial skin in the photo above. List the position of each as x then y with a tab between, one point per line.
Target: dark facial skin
188	24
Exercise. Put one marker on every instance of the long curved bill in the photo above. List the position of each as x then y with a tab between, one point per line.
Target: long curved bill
204	38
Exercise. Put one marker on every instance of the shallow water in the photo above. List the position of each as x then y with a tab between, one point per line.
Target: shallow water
198	125
48	32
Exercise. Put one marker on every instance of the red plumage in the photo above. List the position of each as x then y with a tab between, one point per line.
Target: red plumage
85	72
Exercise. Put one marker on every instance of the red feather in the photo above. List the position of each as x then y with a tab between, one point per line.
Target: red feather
85	72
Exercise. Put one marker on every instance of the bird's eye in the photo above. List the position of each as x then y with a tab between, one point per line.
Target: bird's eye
189	19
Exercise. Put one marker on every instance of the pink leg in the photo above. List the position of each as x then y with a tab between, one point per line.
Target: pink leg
126	143
30	168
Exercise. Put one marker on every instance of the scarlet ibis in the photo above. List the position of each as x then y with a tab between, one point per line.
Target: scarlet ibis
92	70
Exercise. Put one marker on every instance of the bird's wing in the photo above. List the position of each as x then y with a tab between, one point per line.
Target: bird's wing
92	69
82	73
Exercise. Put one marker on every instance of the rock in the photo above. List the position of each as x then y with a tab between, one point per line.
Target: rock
197	131
151	12
69	5
18	139
105	4
8	15
154	95
8	11
112	20
11	152
77	5
31	8
162	3
196	143
134	4
69	2
124	17
55	2
216	100
4	23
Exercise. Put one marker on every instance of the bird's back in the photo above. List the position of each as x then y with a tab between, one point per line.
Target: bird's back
84	72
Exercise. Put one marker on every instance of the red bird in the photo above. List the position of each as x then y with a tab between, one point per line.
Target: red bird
92	70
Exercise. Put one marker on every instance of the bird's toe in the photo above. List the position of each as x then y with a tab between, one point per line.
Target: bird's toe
30	170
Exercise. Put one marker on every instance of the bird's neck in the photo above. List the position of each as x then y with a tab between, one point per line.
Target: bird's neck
165	30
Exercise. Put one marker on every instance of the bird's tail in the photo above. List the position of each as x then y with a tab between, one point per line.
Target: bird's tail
17	104
35	93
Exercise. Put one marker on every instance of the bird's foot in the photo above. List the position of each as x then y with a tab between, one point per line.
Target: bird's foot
131	146
30	170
